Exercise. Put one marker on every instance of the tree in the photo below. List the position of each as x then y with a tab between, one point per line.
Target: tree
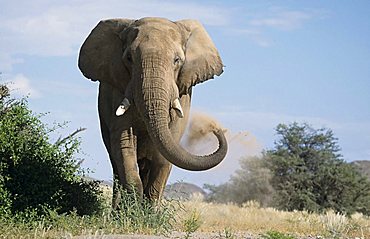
36	174
249	183
310	174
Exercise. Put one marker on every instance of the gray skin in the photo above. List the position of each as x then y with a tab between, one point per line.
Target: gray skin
150	62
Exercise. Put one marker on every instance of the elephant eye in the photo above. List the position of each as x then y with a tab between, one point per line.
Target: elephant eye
129	57
177	60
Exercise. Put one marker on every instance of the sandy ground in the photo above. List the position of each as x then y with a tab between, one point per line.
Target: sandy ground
178	235
175	235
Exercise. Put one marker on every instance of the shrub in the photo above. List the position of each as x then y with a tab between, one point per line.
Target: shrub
277	235
310	174
249	183
142	215
35	174
304	171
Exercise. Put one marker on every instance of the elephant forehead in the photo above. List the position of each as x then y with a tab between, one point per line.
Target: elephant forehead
158	28
157	40
161	32
153	20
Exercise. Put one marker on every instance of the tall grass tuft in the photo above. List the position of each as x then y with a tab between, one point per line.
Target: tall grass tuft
189	217
141	215
135	216
251	218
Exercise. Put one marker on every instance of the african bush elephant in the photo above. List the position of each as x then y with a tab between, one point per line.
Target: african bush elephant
146	69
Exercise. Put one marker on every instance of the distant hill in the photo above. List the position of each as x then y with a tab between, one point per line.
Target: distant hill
102	182
363	166
182	191
185	191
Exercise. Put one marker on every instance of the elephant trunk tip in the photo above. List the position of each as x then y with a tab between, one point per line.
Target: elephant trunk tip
219	130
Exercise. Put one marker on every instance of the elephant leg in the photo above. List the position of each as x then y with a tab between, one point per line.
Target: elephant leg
116	199
124	149
144	168
159	172
116	187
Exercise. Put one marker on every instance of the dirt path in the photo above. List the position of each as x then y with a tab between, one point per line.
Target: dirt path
175	235
178	235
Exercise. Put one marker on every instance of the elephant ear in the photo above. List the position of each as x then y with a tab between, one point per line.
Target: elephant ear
101	54
202	60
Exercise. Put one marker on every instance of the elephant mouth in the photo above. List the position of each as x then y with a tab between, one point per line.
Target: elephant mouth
125	105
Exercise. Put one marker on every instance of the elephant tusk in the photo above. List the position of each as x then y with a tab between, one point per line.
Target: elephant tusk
123	107
177	106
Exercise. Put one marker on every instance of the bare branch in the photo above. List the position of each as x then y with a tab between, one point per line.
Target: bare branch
61	141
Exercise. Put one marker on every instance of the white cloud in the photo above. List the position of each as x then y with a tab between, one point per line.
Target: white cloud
283	20
7	62
267	121
255	35
257	25
21	85
44	28
58	29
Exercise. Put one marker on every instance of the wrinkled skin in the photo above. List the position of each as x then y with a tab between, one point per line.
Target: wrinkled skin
150	63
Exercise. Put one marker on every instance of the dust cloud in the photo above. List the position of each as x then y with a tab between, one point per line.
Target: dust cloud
199	139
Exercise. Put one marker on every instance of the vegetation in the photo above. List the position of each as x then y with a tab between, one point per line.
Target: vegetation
192	224
234	220
304	171
141	215
216	220
276	235
249	183
138	217
308	173
35	175
363	166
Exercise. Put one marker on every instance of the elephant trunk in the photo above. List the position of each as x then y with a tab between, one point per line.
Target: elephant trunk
153	99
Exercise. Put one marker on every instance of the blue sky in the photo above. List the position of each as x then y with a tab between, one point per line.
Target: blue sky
305	61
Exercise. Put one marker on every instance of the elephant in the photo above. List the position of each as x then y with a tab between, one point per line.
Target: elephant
146	69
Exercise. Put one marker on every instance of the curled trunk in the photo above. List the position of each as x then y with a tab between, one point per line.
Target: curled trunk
153	101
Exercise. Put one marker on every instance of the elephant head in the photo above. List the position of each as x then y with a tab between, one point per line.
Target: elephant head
154	62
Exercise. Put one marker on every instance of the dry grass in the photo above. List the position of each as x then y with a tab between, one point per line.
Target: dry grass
253	219
217	220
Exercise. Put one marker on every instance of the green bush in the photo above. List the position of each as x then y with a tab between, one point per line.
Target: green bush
277	235
142	215
35	174
303	171
310	174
